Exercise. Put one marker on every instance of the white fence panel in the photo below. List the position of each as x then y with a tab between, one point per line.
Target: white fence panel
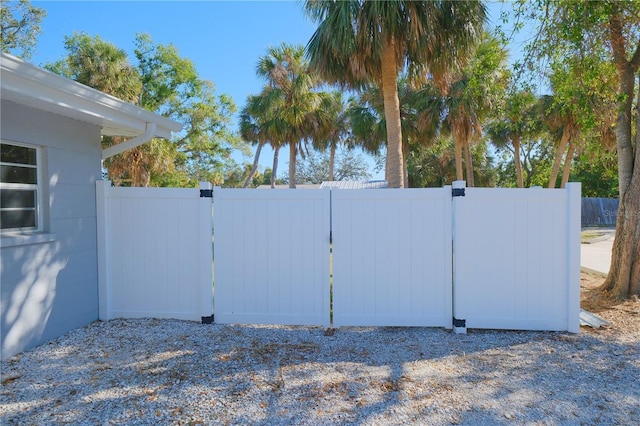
516	258
392	257
154	249
271	255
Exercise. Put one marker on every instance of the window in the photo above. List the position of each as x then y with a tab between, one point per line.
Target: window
19	191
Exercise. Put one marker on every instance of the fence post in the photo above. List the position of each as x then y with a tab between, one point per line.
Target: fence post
104	247
574	220
206	252
459	314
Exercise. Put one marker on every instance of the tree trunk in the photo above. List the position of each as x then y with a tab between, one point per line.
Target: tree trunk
517	161
293	152
562	146
458	154
274	169
394	165
254	167
332	160
567	164
468	164
624	274
405	169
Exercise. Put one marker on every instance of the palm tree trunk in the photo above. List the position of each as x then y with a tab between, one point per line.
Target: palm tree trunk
458	145
623	279
293	152
405	169
392	116
274	169
517	161
469	164
254	167
558	158
567	164
332	160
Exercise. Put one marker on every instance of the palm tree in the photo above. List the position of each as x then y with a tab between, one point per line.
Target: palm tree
470	95
369	125
520	121
255	127
332	124
291	83
434	165
563	128
361	41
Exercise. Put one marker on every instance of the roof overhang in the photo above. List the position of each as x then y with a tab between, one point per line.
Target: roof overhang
37	88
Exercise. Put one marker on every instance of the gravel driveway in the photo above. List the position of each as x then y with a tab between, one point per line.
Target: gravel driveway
175	372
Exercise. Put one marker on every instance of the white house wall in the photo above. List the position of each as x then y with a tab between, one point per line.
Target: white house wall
50	288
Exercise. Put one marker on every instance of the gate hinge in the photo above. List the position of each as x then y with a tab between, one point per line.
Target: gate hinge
459	323
207	320
208	193
457	192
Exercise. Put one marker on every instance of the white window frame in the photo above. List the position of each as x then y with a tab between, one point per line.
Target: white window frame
38	187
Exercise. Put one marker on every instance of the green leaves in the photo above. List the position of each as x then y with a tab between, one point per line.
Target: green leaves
169	85
19	27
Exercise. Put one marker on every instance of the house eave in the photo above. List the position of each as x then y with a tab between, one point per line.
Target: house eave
35	87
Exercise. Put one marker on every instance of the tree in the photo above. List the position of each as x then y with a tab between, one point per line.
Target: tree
580	108
250	132
536	161
290	80
359	42
471	95
519	122
99	64
167	84
260	124
314	168
368	122
597	169
172	87
608	30
333	127
19	27
435	165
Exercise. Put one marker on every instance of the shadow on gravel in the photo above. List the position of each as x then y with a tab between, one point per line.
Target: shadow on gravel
175	372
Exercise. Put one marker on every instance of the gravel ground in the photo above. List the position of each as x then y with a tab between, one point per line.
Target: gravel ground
176	372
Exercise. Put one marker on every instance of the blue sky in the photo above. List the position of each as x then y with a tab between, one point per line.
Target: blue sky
224	39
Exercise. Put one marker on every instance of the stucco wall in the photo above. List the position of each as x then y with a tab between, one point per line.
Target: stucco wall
50	288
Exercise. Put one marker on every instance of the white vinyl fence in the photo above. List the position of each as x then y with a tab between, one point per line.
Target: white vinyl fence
461	258
271	252
517	258
154	253
392	257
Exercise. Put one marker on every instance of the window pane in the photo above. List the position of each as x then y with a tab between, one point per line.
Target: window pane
17	174
10	219
17	198
17	154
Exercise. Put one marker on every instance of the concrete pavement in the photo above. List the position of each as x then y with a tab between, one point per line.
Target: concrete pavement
596	255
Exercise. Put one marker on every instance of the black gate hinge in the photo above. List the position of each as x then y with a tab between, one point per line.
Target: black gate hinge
457	192
207	320
208	193
458	323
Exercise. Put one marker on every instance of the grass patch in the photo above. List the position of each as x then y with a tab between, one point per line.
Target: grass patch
587	237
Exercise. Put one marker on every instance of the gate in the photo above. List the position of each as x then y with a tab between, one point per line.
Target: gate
517	258
271	251
154	253
392	257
